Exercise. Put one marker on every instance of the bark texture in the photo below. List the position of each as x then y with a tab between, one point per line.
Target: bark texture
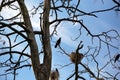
41	71
32	42
46	38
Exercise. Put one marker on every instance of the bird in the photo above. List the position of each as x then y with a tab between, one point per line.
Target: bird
57	71
58	42
99	78
54	75
117	57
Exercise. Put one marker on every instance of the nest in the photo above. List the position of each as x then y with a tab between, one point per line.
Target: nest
76	57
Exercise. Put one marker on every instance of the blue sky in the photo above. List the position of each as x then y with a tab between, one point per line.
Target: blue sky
68	32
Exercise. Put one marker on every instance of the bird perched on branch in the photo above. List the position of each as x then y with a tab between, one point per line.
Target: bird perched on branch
117	57
99	78
58	42
54	75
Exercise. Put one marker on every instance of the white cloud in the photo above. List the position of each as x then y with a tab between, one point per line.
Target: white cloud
65	33
35	23
8	13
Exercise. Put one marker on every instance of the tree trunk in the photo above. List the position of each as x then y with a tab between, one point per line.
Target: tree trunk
32	42
41	71
46	38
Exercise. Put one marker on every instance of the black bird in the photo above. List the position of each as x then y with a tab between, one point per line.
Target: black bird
57	73
57	70
58	42
117	57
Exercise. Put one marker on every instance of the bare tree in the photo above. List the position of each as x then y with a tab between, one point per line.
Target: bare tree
17	30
